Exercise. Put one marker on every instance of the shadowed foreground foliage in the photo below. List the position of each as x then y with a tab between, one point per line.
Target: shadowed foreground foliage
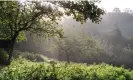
22	69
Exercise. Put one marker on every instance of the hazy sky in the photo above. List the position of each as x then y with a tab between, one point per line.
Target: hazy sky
110	4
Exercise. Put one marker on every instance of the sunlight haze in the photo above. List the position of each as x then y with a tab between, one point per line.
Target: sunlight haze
108	5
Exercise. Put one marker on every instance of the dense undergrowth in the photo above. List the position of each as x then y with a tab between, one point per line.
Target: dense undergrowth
22	69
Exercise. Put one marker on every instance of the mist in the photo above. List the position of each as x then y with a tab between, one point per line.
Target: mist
113	35
66	40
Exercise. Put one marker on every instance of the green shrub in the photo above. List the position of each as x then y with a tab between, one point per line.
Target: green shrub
22	69
3	56
33	57
29	56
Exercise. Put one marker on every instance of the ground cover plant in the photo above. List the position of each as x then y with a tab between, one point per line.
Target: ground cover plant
22	69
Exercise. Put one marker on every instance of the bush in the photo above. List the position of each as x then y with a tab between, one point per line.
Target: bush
29	56
3	56
22	69
33	57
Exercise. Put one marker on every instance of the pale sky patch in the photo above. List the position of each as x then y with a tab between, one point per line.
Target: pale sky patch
109	5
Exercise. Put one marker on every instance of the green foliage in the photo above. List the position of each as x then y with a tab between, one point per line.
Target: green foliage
41	18
32	16
34	57
21	37
29	56
82	10
3	56
73	48
5	16
22	69
128	51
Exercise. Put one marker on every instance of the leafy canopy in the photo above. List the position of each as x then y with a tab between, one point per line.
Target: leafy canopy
42	17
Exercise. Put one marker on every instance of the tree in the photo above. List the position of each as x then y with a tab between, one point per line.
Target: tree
127	10
116	10
42	17
77	48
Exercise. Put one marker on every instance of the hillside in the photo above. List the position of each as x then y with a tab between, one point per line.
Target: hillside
109	20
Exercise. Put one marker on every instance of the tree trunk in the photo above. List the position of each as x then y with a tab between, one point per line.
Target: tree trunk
11	48
68	58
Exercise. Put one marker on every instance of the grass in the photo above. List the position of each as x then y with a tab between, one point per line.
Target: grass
22	69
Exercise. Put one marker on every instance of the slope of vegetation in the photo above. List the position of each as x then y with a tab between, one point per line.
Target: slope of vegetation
31	56
22	69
